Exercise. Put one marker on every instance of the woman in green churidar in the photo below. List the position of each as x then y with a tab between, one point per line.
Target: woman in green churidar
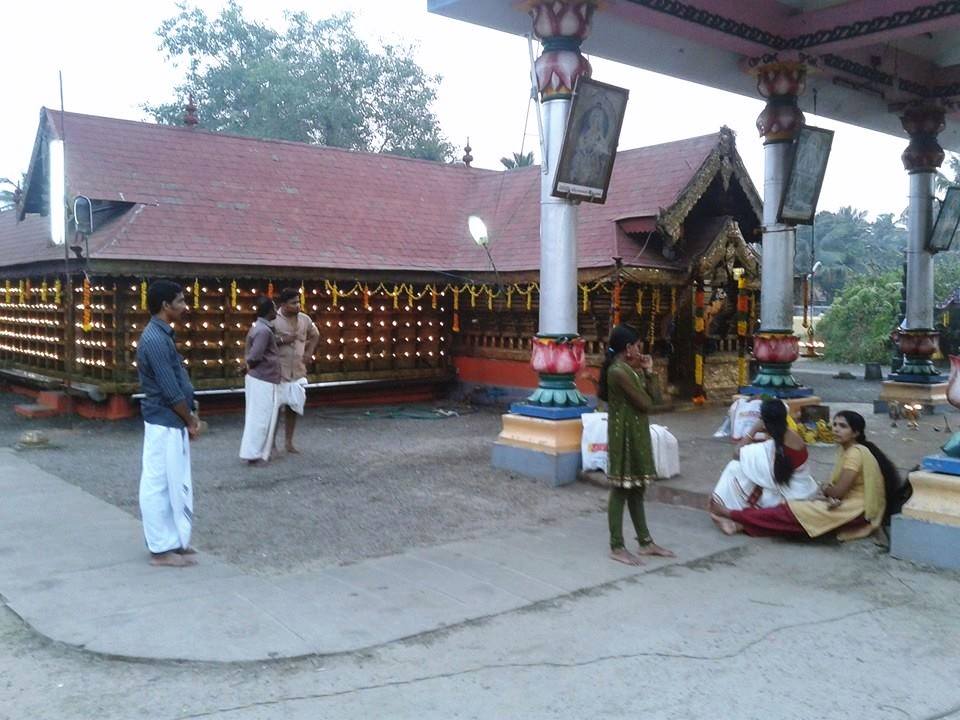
630	388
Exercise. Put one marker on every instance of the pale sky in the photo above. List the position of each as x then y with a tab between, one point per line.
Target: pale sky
108	53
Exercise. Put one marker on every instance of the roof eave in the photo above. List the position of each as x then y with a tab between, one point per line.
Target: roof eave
722	158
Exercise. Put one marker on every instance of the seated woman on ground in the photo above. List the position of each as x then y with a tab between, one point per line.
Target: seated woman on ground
864	489
769	470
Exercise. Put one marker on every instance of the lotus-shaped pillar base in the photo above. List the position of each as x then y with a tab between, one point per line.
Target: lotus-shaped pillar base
952	446
776	352
917	346
557	361
776	376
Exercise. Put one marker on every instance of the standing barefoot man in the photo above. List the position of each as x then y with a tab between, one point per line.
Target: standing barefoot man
169	424
297	338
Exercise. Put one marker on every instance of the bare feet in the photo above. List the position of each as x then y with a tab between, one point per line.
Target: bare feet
718	508
171	559
627	558
726	525
253	462
292	450
654	549
189	550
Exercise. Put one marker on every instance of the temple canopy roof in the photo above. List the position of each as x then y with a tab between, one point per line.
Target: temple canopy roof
176	195
869	56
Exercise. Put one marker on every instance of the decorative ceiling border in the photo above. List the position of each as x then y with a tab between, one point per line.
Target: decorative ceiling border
713	21
878	77
864	72
883	23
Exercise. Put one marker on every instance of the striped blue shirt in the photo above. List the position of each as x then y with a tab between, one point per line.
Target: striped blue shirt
163	377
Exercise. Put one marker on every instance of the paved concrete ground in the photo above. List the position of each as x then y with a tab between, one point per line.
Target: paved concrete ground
735	628
769	630
369	482
72	567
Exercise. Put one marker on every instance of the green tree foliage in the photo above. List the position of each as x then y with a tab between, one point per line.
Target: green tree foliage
313	82
945	180
857	326
849	245
518	160
8	194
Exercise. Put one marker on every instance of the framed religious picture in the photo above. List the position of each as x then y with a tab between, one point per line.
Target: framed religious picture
946	226
805	178
590	141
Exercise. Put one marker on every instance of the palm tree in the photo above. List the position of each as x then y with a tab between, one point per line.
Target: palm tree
8	197
943	181
518	160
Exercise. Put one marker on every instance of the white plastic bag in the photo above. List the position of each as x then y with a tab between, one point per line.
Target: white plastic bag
593	446
744	414
666	452
593	442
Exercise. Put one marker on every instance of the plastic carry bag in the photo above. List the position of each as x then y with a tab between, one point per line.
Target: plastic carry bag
593	442
593	446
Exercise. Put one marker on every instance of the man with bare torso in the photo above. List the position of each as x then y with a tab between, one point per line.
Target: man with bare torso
297	339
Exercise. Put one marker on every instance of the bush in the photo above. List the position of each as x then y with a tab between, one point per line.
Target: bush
857	326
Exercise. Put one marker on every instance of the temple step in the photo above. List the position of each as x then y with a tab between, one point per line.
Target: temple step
59	401
37	411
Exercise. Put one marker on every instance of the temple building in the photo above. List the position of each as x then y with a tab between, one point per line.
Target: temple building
378	246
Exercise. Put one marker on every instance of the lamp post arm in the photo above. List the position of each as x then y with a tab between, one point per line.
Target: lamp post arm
495	271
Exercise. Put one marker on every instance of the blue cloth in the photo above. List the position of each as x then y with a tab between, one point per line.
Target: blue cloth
163	377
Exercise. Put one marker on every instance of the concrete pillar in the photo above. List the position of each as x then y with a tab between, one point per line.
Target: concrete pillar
917	339
561	25
558	235
775	346
541	436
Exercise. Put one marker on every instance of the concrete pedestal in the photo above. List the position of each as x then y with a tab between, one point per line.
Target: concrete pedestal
928	529
933	397
924	542
541	448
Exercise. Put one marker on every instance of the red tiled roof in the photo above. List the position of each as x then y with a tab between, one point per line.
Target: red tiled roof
211	199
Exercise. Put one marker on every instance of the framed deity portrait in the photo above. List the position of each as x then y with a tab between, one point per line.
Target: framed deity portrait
946	226
590	141
805	176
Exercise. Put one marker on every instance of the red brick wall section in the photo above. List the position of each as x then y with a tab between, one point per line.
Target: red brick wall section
512	373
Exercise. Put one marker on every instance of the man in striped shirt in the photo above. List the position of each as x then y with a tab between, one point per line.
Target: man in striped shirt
166	487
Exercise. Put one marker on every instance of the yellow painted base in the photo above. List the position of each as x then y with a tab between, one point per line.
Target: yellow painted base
936	498
549	436
901	392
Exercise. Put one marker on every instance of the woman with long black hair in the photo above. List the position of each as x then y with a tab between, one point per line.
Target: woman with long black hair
630	388
864	490
769	466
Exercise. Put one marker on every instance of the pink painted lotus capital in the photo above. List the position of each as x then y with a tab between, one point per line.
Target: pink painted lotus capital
775	348
558	70
922	343
953	384
562	18
556	357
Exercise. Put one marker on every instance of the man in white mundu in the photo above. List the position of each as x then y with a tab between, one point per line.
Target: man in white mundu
169	424
297	338
261	385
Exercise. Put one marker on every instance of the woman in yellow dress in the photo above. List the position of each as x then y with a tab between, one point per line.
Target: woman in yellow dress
630	388
864	490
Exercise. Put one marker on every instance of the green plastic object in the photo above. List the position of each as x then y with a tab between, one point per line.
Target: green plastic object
952	446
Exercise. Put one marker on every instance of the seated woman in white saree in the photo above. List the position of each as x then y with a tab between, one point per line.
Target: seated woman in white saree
865	489
767	471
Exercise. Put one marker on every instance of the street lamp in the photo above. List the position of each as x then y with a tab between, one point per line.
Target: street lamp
478	231
811	348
